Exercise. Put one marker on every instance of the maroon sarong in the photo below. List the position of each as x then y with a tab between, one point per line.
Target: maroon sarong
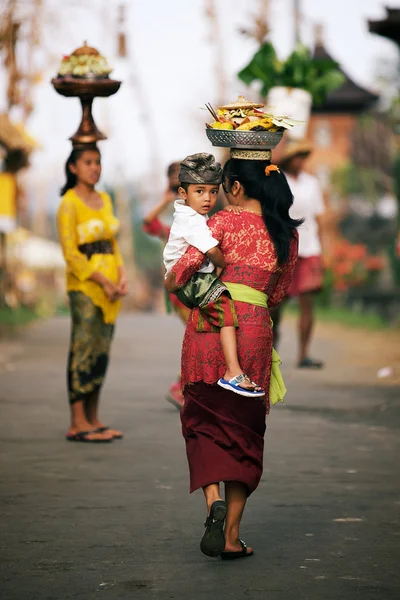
224	435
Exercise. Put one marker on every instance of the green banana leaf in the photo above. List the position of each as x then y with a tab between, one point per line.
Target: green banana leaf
299	70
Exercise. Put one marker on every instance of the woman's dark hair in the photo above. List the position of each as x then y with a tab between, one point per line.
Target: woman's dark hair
274	195
71	160
15	160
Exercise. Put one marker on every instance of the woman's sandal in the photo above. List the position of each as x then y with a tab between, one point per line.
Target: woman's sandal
237	554
233	386
81	436
104	429
310	363
213	541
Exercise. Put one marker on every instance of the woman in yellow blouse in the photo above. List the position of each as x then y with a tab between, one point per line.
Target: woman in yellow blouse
96	281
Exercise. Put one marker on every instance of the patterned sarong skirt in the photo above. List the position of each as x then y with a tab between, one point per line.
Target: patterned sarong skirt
89	347
206	291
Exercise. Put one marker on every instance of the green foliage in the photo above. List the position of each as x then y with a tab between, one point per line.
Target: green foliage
299	70
325	295
148	250
16	317
352	179
346	316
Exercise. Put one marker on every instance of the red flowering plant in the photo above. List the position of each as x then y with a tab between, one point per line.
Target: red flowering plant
352	266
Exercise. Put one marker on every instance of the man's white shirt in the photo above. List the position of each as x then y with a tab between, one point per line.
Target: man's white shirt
189	228
307	204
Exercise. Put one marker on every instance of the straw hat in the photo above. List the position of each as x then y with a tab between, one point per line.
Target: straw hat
294	148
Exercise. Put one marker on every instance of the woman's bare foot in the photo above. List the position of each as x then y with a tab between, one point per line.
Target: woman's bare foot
90	434
236	546
235	549
114	433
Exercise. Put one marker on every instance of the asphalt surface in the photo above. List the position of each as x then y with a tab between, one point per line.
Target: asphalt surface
81	521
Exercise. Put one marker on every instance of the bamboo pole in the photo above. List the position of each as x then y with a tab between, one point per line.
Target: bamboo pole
217	39
297	21
122	201
146	116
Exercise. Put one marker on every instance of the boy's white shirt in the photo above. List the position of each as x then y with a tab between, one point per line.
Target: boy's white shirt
189	228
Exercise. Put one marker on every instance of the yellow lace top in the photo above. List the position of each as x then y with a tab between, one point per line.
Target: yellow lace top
79	224
8	195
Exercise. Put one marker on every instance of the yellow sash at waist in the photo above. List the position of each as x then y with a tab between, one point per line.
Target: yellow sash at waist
245	293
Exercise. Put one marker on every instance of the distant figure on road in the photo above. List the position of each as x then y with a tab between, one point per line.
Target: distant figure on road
14	162
152	225
96	281
307	280
224	432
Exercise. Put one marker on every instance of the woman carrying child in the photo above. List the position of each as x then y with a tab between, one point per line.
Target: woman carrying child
224	432
200	177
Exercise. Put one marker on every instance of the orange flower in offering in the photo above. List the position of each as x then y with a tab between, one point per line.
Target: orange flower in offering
270	168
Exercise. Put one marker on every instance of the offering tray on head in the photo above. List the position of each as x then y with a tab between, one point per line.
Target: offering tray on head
92	86
245	125
84	62
85	75
247	140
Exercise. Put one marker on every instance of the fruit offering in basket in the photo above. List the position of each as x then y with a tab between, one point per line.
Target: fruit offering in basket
85	62
248	116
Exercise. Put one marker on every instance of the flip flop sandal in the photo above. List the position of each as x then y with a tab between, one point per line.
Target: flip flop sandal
81	437
104	429
238	554
213	541
233	386
309	363
175	398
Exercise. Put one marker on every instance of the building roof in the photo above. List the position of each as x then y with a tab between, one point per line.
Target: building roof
350	97
388	27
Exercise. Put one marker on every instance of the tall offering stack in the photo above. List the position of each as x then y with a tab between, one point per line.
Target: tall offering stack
245	128
85	75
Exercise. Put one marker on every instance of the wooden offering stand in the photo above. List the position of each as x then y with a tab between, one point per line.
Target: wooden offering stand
86	88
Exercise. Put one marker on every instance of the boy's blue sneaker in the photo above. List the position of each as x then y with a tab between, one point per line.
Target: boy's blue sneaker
233	386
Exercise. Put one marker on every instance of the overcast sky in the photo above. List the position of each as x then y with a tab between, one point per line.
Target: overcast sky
173	57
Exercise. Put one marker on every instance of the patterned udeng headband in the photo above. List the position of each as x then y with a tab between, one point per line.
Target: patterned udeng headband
270	168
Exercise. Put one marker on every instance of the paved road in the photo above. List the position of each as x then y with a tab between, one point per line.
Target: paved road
116	522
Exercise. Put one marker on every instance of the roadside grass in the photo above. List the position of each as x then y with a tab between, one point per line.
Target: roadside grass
346	316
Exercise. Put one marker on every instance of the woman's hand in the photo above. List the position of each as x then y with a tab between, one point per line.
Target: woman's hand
170	283
168	197
110	290
162	231
123	285
235	209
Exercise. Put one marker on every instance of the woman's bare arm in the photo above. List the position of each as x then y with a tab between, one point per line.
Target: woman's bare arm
216	257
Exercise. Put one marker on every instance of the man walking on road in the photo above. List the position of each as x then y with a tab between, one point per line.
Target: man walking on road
307	281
